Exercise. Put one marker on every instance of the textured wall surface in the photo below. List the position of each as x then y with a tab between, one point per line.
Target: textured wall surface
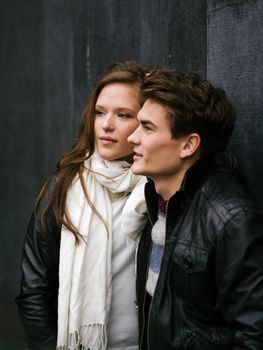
235	62
51	52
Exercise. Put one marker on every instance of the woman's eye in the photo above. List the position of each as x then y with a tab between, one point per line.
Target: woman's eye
98	113
123	115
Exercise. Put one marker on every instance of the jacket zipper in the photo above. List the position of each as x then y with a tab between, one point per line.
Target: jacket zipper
148	337
150	308
143	306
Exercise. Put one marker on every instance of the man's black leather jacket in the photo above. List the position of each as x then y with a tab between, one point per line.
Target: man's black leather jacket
209	294
37	301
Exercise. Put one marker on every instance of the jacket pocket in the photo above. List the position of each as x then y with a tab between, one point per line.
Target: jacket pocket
191	275
210	339
196	342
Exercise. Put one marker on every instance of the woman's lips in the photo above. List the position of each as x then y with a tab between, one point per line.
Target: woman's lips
107	140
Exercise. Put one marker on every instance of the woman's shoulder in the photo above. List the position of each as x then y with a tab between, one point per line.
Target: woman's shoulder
50	228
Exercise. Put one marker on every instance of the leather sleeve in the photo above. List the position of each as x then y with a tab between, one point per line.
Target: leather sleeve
240	278
37	301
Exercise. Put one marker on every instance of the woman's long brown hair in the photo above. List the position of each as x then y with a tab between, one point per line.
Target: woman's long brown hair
73	162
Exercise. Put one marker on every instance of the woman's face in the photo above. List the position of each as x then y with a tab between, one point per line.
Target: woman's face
116	118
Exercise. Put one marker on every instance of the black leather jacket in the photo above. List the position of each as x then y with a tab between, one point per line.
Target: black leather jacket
209	294
37	301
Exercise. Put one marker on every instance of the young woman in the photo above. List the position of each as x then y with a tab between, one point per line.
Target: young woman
77	287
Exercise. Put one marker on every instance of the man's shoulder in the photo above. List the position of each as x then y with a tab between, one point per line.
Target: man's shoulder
226	193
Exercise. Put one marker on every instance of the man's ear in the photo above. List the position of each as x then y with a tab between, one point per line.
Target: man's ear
190	145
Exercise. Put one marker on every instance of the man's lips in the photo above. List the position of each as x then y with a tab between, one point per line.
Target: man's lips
136	155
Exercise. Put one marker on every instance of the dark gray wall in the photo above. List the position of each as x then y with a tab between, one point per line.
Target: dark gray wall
51	52
235	62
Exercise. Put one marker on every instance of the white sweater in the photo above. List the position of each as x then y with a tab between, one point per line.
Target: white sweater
122	329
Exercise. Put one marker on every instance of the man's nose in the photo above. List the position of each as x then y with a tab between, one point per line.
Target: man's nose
134	137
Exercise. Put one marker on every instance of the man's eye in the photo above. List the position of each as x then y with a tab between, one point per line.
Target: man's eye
146	127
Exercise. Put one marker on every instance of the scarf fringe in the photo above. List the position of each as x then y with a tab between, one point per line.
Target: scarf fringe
89	337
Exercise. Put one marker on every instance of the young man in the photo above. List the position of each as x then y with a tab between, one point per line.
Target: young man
200	258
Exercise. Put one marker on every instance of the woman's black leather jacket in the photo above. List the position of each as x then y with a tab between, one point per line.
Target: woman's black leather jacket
37	301
209	294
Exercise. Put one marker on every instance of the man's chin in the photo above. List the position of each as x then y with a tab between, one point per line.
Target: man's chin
136	170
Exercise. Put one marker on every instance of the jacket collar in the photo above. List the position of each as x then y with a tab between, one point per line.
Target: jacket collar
194	177
151	198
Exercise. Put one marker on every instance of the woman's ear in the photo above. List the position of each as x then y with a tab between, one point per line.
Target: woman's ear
190	145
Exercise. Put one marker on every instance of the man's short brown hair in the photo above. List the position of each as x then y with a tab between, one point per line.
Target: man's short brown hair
194	105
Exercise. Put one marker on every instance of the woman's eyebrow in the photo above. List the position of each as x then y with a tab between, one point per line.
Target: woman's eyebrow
118	109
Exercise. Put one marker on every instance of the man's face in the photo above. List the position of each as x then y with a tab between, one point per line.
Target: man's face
157	155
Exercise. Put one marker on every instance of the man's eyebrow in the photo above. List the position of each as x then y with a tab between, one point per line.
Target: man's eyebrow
146	122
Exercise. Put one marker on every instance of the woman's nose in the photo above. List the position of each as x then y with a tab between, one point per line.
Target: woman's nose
108	122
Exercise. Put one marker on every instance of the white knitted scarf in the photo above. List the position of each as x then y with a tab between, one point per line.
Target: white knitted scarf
85	269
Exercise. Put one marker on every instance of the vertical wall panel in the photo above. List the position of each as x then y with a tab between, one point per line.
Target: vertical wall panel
234	62
36	118
173	34
155	23
56	98
19	97
187	35
80	62
170	33
113	33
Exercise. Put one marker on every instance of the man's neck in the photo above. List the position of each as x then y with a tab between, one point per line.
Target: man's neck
166	187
